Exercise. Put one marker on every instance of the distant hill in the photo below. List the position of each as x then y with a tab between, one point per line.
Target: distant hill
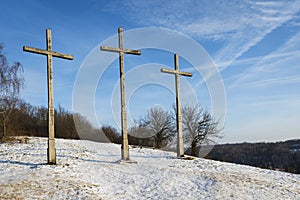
283	156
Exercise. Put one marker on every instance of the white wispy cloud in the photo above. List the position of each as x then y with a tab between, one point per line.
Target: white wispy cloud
279	67
273	81
239	24
284	100
266	17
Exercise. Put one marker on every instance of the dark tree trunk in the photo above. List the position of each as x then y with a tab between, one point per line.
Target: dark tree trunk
193	149
4	130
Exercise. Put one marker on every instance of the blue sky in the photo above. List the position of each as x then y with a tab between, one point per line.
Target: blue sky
253	44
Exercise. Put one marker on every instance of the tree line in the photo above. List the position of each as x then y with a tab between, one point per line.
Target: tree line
282	156
27	120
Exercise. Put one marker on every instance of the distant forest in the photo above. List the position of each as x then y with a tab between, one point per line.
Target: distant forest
25	119
282	156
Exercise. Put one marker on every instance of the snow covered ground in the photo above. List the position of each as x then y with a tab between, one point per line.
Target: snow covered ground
89	170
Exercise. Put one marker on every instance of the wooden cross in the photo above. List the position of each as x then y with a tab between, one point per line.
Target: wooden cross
180	149
122	51
51	152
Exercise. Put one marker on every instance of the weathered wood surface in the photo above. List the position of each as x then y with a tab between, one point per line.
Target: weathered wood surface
122	51
51	151
180	147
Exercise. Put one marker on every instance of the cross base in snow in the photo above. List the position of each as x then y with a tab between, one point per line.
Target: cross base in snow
185	157
51	152
127	162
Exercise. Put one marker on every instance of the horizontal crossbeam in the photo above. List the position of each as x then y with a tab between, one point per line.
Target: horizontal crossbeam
45	52
127	51
169	71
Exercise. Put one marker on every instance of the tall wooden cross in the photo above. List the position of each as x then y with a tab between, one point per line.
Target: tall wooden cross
180	149
51	152
122	51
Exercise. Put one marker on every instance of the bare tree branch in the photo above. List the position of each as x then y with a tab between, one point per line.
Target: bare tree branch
10	84
157	124
199	127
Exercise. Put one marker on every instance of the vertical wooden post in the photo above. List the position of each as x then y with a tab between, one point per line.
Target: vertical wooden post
122	51
51	152
180	148
124	148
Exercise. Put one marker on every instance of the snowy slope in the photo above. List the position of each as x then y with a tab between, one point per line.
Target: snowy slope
89	170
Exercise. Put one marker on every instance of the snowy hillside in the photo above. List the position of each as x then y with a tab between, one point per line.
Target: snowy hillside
89	170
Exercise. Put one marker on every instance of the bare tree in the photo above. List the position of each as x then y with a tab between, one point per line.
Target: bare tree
158	125
199	127
11	82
